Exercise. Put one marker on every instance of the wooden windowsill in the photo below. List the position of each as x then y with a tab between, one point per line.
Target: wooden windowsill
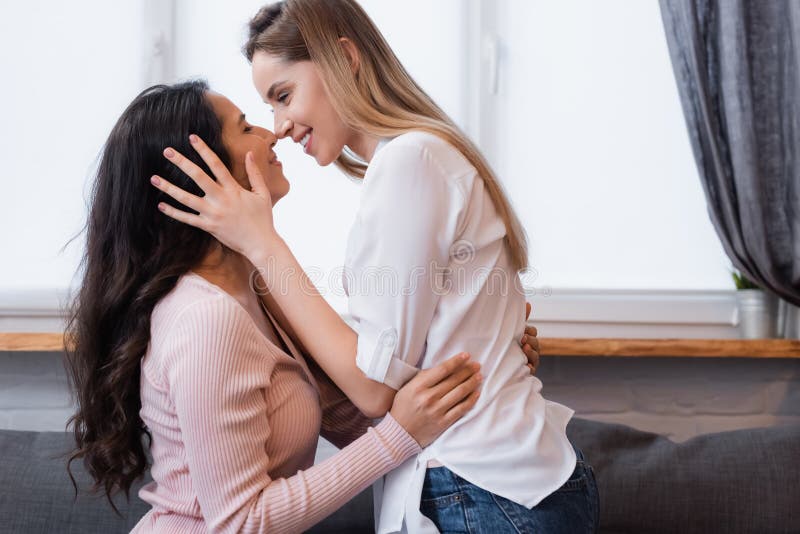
31	342
553	346
681	348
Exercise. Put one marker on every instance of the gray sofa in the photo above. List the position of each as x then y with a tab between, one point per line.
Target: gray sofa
745	481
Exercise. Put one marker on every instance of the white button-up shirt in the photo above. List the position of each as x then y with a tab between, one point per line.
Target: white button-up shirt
427	276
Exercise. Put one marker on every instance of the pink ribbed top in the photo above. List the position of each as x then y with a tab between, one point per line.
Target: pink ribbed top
235	422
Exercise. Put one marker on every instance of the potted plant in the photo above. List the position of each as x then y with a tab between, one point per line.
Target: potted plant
756	309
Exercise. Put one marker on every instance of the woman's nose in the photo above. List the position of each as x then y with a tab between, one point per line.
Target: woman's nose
270	138
283	127
267	135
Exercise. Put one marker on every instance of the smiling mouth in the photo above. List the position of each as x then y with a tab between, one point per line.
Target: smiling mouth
305	142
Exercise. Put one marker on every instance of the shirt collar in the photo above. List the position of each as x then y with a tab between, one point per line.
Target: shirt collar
381	143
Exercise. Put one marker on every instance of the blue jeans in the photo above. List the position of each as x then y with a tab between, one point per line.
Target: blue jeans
458	506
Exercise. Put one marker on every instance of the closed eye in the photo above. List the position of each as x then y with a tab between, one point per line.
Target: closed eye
282	98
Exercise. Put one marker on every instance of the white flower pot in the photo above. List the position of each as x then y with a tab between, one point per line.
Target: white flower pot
788	320
757	314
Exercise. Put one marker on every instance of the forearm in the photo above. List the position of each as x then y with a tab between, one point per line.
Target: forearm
295	503
317	326
277	313
342	421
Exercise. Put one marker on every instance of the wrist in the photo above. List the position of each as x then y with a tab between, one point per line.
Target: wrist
266	249
268	260
394	431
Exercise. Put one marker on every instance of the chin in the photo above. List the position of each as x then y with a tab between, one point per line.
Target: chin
281	191
326	159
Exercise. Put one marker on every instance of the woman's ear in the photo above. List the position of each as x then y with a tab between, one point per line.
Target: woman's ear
353	56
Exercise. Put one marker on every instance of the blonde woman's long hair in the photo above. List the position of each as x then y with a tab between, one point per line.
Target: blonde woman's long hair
379	98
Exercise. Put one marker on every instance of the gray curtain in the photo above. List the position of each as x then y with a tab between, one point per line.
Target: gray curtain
737	65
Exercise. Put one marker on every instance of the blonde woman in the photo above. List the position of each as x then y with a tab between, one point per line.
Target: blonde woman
435	221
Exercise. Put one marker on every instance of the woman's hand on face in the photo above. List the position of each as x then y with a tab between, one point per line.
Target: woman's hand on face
437	397
530	343
238	218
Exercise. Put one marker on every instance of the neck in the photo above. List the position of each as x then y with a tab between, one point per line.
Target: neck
229	270
364	146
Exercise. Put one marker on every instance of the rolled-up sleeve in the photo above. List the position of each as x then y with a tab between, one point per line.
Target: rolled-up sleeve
397	258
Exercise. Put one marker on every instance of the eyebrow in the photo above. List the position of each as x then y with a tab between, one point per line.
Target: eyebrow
241	118
271	90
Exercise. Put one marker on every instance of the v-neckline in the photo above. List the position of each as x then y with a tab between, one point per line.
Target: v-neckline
290	350
278	330
227	295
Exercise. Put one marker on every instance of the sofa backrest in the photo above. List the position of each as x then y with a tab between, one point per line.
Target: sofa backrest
742	481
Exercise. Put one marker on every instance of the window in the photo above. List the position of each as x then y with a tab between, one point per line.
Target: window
585	128
574	103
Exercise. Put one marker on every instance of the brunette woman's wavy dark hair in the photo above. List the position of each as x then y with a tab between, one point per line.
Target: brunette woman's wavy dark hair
134	256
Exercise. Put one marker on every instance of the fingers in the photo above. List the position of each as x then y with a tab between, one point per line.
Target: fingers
531	342
530	339
533	358
527	310
257	183
179	215
530	346
212	160
187	199
434	375
529	351
531	354
461	374
460	391
457	412
189	168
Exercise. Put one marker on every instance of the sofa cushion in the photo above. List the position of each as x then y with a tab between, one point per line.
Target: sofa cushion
742	481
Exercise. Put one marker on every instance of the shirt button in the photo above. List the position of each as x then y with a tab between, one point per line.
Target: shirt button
389	337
